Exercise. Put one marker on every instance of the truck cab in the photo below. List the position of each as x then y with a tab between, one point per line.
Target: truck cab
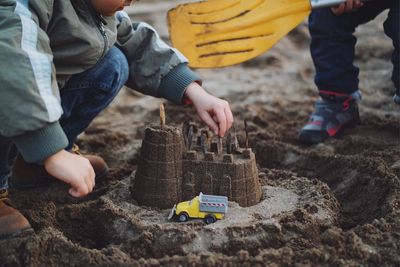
207	207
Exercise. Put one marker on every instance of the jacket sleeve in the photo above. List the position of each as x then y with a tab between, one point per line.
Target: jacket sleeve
155	68
29	103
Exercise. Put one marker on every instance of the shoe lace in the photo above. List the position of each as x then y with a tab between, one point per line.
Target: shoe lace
75	149
3	194
326	108
4	197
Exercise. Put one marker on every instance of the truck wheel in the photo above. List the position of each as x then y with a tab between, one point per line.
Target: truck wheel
210	219
183	217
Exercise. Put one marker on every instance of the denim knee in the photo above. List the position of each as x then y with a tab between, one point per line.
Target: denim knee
117	70
108	76
88	93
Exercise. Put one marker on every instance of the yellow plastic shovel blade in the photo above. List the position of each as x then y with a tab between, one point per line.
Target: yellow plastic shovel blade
219	33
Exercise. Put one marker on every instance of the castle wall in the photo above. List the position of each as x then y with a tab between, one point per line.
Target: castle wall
236	179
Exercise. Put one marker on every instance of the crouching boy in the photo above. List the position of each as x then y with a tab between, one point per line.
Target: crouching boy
62	63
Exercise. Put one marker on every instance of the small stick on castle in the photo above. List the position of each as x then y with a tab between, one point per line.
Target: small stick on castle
176	165
162	116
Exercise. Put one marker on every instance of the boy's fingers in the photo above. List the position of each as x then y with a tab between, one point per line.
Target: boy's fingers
92	179
221	119
83	190
339	10
89	184
358	4
349	5
209	121
80	189
73	192
229	117
78	192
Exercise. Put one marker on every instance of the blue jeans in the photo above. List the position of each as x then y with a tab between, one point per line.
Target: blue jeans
333	43
84	96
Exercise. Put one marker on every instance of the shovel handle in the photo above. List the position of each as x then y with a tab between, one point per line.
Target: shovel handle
327	3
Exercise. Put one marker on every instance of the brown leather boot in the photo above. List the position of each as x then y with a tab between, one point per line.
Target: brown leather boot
12	222
29	175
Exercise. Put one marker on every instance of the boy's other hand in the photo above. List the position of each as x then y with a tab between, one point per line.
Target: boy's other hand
214	112
349	6
72	169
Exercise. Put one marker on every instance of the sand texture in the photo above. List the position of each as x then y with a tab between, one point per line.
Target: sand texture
332	204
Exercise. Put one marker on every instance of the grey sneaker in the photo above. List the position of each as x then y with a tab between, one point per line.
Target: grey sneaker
332	113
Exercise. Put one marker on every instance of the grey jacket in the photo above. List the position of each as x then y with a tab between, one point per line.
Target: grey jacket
44	42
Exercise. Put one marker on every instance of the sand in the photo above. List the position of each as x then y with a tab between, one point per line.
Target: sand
332	204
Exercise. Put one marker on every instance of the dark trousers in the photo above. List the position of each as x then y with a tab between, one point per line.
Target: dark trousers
333	44
84	96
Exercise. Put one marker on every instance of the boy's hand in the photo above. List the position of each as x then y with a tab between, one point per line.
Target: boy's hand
349	6
72	169
214	112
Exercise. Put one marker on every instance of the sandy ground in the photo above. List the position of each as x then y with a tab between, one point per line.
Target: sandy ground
333	204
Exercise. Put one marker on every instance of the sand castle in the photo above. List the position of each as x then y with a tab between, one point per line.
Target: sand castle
176	165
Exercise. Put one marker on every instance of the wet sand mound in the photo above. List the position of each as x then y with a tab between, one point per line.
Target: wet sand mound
115	221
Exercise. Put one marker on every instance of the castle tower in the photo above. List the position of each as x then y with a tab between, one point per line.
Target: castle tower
158	177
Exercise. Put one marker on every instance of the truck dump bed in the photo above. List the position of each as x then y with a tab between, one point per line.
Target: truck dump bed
211	203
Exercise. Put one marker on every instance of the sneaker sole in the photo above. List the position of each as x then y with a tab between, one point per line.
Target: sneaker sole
316	137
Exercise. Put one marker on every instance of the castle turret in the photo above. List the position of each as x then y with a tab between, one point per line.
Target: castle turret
158	177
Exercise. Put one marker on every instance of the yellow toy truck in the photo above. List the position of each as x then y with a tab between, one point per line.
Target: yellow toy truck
207	207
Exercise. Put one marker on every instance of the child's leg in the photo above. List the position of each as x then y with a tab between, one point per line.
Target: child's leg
333	43
332	50
88	93
392	29
83	98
